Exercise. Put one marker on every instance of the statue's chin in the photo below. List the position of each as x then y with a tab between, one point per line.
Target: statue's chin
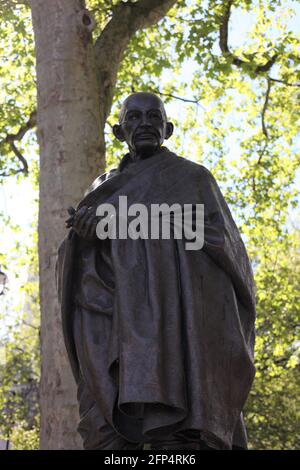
146	150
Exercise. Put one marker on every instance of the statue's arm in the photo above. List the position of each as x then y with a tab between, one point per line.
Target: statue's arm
84	220
222	240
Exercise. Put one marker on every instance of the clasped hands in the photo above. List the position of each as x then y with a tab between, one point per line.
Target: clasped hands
83	221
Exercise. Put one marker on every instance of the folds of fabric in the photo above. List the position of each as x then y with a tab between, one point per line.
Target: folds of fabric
163	336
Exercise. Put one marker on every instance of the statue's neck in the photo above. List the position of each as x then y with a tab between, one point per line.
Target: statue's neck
129	158
142	155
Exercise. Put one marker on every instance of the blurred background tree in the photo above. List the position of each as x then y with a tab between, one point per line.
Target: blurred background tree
229	72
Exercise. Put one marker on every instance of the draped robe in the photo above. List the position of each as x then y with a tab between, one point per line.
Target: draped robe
161	337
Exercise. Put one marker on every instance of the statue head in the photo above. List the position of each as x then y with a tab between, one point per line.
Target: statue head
143	124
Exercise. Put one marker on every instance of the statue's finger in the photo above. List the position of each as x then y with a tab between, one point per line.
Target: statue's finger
71	210
70	219
81	211
82	220
79	215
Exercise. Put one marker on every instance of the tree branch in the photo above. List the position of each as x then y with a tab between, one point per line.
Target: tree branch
127	19
263	114
31	325
283	82
20	157
185	100
263	123
23	129
12	138
180	98
5	174
223	43
261	154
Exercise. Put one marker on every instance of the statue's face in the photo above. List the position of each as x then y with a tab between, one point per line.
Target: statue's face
143	124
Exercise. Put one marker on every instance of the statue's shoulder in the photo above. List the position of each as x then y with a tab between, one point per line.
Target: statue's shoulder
100	179
189	166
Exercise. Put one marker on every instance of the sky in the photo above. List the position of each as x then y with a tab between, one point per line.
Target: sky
18	200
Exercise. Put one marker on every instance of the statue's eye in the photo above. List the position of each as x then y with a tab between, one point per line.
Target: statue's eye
133	116
155	115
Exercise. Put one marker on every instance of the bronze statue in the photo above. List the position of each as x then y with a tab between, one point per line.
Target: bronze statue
160	339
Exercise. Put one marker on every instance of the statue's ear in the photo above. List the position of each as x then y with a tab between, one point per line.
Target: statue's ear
118	132
169	130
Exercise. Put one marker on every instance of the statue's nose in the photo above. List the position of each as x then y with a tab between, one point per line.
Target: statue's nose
144	120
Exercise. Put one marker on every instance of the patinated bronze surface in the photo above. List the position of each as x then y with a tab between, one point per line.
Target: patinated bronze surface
160	339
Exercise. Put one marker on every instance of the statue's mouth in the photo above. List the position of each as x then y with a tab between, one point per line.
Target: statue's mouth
146	135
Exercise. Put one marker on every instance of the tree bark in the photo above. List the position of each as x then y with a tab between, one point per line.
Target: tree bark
71	143
76	83
127	19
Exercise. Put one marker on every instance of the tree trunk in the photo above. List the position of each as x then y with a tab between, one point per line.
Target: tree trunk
76	84
71	154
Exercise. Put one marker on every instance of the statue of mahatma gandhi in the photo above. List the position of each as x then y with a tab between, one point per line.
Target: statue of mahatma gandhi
160	338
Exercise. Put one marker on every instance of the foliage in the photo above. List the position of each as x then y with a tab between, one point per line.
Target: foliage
23	438
236	113
17	83
272	406
20	361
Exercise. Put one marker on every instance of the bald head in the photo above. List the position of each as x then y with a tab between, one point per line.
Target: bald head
141	96
143	124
